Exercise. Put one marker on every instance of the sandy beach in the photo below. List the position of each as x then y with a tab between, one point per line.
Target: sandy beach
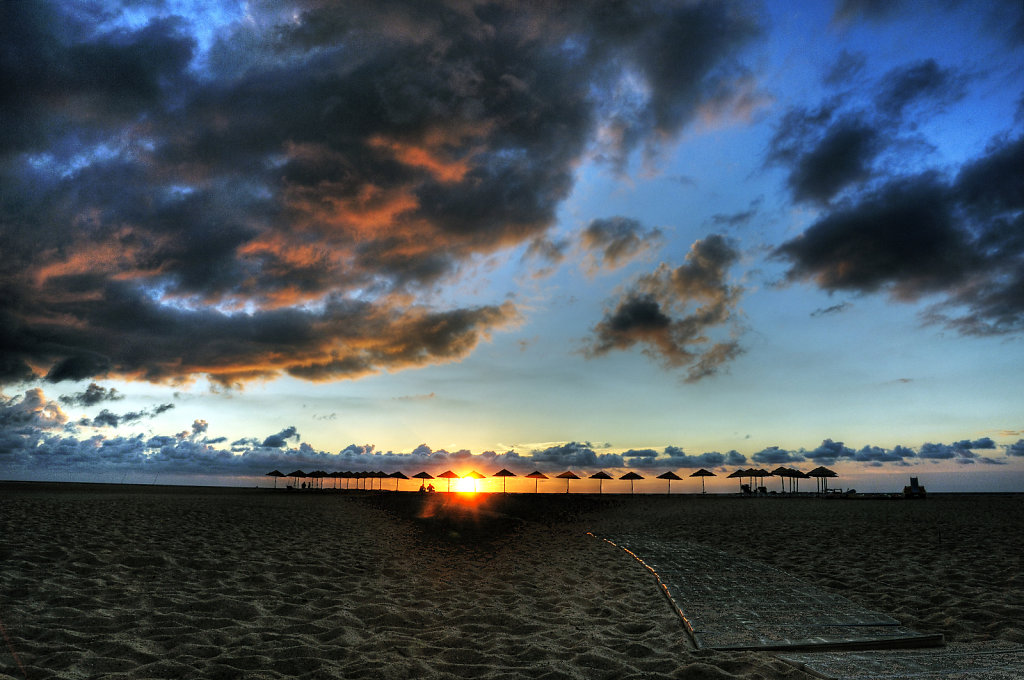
168	582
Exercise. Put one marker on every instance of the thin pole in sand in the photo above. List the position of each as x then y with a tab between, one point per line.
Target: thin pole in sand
567	475
631	476
670	476
537	475
503	473
448	474
600	476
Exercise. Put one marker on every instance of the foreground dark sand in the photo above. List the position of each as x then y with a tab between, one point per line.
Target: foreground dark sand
161	582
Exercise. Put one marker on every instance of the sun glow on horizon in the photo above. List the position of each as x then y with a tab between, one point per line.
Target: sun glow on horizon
465	485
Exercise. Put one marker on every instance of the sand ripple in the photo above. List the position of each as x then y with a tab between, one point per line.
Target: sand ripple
107	582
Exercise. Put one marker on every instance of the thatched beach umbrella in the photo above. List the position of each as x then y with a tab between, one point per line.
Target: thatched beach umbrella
317	476
631	476
601	476
398	475
759	474
296	474
797	476
536	476
449	475
738	474
670	476
822	474
275	474
424	476
782	472
347	475
702	473
567	475
474	475
503	473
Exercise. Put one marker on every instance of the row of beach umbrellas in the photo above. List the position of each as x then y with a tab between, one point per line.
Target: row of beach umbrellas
794	476
821	474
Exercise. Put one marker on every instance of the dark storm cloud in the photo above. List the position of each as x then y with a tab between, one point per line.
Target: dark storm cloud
92	395
1003	18
672	310
30	412
821	167
548	252
923	82
830	451
983	443
675	457
221	212
773	455
51	62
639	454
107	418
280	439
574	455
36	439
876	455
956	451
618	240
916	236
834	148
738	219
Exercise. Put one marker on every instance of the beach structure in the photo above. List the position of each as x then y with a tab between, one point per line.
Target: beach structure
318	478
449	475
915	490
397	476
600	476
822	474
759	475
567	475
275	474
797	476
782	473
631	476
536	476
702	473
738	474
296	474
475	476
503	473
669	476
424	476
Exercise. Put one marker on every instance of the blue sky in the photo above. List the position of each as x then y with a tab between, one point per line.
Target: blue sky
672	236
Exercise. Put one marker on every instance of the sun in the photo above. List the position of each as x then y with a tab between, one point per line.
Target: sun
464	485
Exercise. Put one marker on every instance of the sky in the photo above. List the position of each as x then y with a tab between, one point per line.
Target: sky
410	236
